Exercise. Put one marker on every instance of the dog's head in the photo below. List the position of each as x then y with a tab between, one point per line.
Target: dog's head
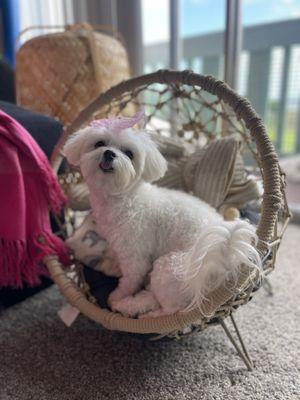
115	158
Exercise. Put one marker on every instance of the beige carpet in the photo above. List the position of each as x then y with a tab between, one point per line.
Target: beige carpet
41	359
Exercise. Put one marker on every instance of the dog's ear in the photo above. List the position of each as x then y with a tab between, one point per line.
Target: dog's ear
155	164
73	147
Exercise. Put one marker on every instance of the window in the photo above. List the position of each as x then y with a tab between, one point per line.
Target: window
272	82
269	60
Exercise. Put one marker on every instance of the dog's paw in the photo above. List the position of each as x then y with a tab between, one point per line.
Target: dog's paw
126	307
115	296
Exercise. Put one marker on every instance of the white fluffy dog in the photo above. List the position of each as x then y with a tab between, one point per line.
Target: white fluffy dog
172	248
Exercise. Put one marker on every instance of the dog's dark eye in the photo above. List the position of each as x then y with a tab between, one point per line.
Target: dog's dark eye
99	144
129	154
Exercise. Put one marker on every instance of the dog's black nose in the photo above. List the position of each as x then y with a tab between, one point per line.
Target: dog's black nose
109	155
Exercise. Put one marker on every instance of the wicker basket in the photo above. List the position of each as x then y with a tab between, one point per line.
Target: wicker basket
204	108
59	74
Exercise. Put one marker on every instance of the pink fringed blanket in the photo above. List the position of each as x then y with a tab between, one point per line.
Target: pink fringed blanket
28	190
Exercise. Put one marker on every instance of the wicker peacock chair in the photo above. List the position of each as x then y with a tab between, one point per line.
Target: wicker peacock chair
205	108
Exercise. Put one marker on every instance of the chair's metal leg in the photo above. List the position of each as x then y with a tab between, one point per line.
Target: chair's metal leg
268	286
240	339
242	351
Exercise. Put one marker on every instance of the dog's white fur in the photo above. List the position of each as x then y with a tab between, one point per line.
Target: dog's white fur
178	241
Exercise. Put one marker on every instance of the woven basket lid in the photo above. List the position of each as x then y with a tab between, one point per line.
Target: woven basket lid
59	74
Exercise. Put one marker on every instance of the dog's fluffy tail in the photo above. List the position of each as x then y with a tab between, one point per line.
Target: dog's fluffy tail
216	258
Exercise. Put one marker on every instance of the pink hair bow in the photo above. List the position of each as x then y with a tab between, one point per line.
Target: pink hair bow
118	123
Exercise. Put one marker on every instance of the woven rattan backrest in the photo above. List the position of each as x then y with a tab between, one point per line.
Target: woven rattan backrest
212	108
